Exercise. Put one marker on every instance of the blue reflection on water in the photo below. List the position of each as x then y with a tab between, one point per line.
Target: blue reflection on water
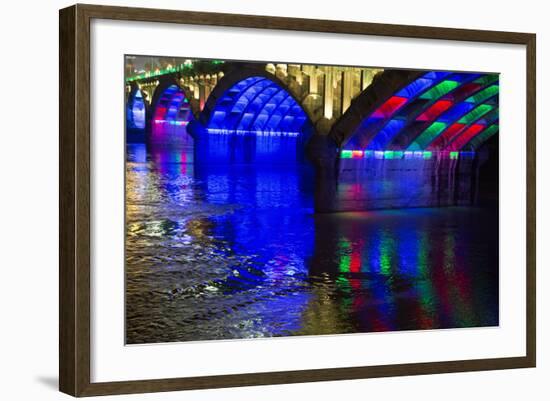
250	147
235	251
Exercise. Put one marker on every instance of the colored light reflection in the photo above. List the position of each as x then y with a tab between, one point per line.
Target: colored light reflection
396	268
345	259
286	271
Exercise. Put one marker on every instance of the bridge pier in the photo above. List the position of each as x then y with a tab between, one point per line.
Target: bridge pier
322	151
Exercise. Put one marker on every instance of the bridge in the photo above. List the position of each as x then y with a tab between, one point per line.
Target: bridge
378	138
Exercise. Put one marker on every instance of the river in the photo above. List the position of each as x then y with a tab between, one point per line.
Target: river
236	251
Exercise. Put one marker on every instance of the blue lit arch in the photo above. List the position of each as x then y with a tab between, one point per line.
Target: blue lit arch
258	106
136	110
251	117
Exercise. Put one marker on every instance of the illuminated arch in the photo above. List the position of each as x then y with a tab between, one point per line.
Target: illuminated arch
257	105
136	110
434	111
415	98
251	116
454	133
444	98
170	115
355	128
477	141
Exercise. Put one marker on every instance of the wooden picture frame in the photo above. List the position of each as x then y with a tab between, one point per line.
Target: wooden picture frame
74	199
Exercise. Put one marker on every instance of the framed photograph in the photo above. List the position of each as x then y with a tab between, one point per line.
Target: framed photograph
250	200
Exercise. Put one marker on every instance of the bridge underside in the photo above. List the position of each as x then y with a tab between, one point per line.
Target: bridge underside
254	120
409	139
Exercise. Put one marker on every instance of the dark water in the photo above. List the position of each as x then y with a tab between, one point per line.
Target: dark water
220	252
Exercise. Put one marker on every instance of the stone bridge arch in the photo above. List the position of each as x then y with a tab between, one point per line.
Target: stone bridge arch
251	115
419	111
410	135
354	123
237	75
170	113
